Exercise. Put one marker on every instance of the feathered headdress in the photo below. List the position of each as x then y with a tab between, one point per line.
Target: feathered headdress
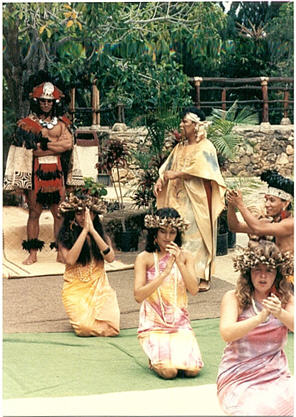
47	91
278	185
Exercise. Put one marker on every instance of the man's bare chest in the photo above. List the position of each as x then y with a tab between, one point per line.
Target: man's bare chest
54	133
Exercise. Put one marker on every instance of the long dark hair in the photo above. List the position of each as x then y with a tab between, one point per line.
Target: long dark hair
151	245
69	233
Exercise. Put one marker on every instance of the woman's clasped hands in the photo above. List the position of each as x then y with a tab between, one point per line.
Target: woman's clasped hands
273	305
88	224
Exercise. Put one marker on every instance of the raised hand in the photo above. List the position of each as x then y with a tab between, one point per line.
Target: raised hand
273	305
234	197
88	224
176	252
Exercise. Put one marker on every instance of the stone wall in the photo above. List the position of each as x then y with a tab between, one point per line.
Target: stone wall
264	147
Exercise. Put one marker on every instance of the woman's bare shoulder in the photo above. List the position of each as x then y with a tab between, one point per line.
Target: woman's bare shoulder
144	257
230	295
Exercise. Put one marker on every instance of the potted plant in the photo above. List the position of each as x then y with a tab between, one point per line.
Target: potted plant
222	234
220	132
125	232
125	226
103	176
150	156
113	157
92	188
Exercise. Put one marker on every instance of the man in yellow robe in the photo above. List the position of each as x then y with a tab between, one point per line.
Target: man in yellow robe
190	181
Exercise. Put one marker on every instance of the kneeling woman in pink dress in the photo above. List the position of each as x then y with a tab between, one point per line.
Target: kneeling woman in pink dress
253	377
88	298
163	274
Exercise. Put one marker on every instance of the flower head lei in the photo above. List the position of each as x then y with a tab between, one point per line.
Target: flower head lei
155	222
74	203
268	255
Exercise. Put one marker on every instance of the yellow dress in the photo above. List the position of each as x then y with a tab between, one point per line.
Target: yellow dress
89	300
189	198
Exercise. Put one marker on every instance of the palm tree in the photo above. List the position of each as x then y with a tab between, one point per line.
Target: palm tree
220	132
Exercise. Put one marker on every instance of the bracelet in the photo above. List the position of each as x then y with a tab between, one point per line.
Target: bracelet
106	251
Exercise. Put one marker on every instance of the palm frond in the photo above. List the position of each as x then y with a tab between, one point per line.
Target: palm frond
220	131
247	116
225	144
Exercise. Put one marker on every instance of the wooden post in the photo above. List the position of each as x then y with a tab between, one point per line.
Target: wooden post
98	108
285	120
197	81
120	113
94	104
223	99
264	85
72	104
286	103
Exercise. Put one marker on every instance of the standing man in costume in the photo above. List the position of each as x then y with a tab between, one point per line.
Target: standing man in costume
190	181
48	134
277	224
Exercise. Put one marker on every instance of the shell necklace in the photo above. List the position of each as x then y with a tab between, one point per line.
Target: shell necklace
49	125
162	305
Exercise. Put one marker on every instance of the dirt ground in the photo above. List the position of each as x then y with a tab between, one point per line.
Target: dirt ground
34	304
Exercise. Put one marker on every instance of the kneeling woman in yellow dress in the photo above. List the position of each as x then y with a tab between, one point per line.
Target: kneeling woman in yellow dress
88	298
163	274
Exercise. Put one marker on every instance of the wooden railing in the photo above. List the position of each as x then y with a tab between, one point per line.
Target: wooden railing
263	85
225	85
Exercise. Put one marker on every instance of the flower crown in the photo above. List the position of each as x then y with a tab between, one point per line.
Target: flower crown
253	256
73	203
155	222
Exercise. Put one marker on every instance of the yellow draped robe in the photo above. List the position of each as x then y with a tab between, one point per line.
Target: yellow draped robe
189	198
89	300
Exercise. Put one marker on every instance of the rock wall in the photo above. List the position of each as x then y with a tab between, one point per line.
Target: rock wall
263	147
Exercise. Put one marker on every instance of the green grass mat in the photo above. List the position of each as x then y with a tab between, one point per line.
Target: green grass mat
62	364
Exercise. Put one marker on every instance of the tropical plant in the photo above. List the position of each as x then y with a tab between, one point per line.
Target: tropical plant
158	125
114	155
92	188
220	132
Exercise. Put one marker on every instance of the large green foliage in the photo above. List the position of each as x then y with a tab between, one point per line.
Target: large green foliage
140	53
220	132
257	37
128	48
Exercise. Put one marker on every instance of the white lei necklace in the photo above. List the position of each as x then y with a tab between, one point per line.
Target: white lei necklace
49	125
174	271
256	311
